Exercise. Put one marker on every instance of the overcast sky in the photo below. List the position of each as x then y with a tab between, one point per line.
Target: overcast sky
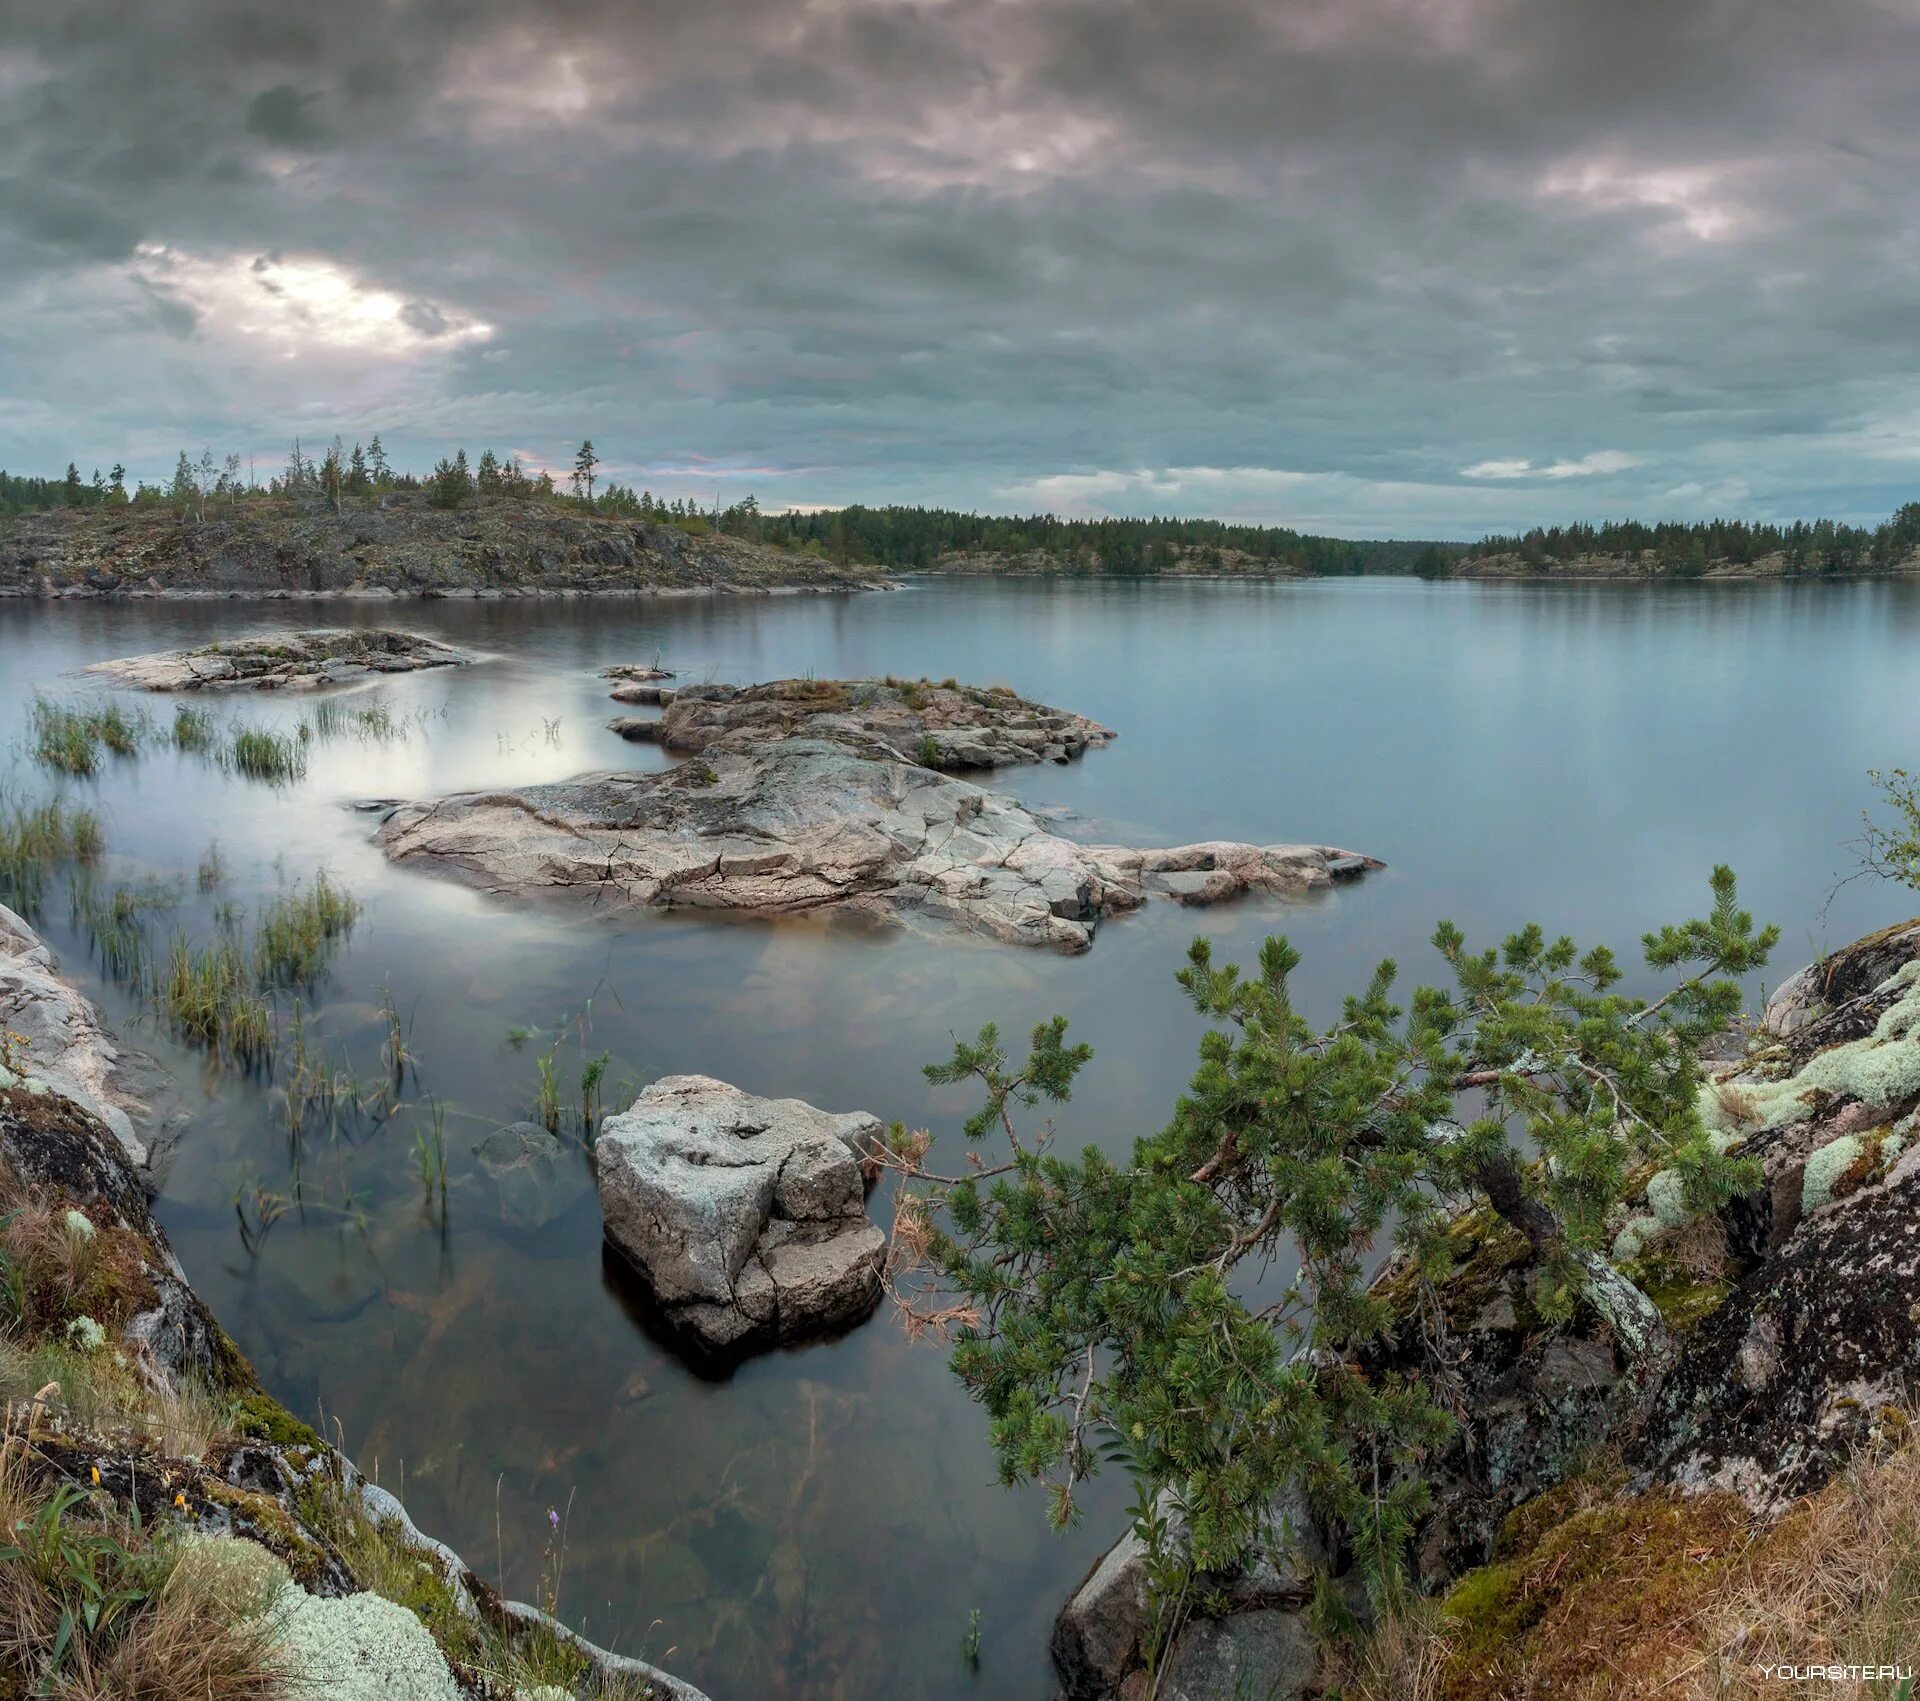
1413	267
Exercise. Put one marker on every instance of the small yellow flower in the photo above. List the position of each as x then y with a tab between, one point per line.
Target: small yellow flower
180	1500
96	1476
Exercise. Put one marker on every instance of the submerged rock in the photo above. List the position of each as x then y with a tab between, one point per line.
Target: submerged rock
822	796
537	1177
745	1216
284	660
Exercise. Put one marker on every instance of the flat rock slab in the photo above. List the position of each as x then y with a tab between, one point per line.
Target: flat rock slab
746	1217
67	1050
824	810
284	661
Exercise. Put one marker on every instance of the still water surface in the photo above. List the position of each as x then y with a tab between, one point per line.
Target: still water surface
821	1523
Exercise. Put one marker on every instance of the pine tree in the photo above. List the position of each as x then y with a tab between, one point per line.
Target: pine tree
182	492
357	470
71	487
377	463
583	464
487	475
118	491
451	483
333	474
1095	1298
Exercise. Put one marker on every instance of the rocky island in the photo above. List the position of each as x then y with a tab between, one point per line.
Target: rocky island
283	660
836	795
390	543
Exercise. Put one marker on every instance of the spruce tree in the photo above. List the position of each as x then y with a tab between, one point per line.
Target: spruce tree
583	464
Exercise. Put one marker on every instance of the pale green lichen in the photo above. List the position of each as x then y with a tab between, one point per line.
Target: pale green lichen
359	1648
1667	1199
86	1334
1881	1068
79	1225
239	1572
1632	1240
1826	1167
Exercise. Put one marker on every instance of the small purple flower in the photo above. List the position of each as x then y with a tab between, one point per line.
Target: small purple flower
553	1519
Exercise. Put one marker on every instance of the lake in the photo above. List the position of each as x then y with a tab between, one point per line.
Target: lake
822	1522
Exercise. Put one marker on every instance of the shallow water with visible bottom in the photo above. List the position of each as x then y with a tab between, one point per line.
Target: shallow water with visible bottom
822	1522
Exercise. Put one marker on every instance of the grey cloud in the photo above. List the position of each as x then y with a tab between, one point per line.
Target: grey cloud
282	115
943	252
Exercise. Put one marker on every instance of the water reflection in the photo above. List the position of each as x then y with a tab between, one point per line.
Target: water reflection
819	1524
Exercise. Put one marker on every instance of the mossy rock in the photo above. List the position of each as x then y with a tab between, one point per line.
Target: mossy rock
1481	1250
259	1416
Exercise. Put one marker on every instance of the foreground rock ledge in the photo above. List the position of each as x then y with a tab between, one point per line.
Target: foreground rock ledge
284	661
835	795
746	1217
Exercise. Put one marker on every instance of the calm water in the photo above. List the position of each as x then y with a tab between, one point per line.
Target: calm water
821	1523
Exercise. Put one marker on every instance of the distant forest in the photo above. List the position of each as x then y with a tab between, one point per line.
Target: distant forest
907	538
1809	546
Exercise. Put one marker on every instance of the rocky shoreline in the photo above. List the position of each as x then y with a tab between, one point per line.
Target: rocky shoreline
395	545
76	1145
837	796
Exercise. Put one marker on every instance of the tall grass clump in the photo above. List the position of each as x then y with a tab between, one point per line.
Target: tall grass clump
194	730
300	931
209	995
371	723
34	837
115	923
70	740
260	754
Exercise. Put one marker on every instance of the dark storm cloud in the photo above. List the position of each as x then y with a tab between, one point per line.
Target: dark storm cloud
1414	265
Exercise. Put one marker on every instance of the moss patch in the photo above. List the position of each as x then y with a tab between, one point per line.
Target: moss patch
260	1417
1587	1604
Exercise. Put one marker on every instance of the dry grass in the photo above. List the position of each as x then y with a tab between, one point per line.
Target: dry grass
1675	1598
1836	1582
166	1632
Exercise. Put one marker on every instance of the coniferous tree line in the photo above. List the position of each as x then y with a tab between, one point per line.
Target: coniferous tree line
1673	547
908	538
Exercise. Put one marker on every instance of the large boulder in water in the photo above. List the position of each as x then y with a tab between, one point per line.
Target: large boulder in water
746	1217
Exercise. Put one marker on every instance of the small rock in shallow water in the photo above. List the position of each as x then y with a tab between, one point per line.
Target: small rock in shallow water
746	1217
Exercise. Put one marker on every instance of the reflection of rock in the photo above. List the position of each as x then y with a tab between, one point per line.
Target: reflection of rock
534	1172
815	795
69	1051
746	1216
298	660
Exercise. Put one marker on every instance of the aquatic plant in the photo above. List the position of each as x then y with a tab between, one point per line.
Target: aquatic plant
70	739
373	723
208	994
35	837
547	1092
300	931
212	871
430	1155
592	1073
194	730
277	758
115	923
